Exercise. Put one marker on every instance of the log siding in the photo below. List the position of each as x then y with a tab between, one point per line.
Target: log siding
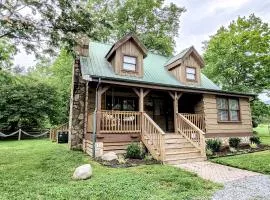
214	126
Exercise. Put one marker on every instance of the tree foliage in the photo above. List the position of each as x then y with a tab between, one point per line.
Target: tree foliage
153	22
47	23
238	57
27	103
59	76
38	99
7	52
260	111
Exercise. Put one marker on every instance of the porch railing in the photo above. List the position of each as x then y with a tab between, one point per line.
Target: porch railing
120	121
197	119
153	137
191	132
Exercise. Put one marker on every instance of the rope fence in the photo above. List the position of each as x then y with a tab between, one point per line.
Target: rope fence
20	132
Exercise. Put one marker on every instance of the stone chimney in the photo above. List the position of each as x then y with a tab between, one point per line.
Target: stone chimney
78	95
82	47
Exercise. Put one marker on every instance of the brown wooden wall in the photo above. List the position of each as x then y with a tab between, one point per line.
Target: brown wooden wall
230	128
116	142
199	107
130	49
180	71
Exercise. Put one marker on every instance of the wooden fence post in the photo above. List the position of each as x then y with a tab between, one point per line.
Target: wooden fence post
20	134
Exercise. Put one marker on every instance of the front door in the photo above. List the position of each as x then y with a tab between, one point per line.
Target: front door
163	113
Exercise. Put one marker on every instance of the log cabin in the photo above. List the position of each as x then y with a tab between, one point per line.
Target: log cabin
123	93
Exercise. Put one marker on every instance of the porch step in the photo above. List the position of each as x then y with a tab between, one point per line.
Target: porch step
180	151
175	140
178	145
176	161
173	136
180	155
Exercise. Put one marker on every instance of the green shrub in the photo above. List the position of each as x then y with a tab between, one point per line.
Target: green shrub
253	145
255	140
134	151
255	133
234	142
213	144
209	152
255	122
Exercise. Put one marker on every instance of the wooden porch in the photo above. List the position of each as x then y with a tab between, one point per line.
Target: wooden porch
166	147
170	124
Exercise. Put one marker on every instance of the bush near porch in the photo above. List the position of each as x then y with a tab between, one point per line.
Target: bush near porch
258	162
39	169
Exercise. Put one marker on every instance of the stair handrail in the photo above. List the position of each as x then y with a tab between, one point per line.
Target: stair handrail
199	145
156	137
197	119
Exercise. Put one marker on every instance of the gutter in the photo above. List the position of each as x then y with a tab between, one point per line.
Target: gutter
95	121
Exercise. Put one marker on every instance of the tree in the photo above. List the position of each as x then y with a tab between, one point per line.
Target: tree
46	23
238	57
59	76
27	103
260	111
6	54
153	22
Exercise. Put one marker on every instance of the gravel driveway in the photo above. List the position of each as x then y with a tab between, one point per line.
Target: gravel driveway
238	184
253	187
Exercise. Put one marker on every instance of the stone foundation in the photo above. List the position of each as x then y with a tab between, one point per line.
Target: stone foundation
225	140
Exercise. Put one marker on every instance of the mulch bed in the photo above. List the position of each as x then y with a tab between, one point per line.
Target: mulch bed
128	162
243	149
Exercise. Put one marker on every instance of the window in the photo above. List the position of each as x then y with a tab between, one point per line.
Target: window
191	73
121	103
228	109
129	63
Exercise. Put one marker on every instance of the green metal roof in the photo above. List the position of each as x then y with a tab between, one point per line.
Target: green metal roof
178	56
96	65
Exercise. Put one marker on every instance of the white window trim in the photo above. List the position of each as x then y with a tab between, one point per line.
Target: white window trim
129	63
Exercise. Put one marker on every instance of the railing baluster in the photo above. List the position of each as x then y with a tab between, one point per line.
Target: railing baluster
190	126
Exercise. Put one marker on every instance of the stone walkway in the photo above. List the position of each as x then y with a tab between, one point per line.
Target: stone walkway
216	172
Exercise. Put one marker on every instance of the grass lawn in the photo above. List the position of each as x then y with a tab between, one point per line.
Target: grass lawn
40	169
258	162
263	132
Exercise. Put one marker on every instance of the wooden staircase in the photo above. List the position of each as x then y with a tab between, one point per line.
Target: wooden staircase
179	150
187	145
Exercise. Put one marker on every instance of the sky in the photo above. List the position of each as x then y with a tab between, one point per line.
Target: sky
204	18
201	19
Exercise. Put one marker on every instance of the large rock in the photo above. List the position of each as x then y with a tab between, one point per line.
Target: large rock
83	172
109	156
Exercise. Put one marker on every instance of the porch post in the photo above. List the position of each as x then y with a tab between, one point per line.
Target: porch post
141	100
141	94
175	98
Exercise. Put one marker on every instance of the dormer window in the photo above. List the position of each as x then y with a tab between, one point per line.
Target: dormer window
129	63
191	73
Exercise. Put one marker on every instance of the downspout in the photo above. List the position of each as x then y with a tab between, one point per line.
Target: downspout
95	121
